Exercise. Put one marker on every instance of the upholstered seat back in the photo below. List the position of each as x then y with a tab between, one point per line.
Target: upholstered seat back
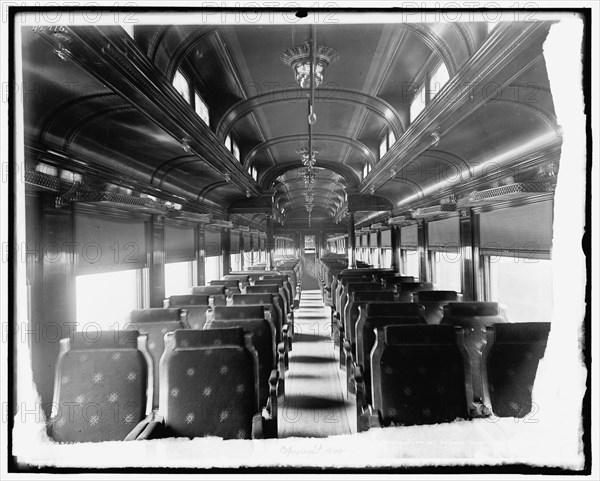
102	387
155	323
226	282
418	375
473	314
209	384
262	334
210	290
366	340
197	316
272	300
513	355
360	298
415	286
188	300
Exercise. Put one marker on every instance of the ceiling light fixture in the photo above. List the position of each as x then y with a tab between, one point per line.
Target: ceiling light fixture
298	58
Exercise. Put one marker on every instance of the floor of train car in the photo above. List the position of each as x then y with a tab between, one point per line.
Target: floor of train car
314	404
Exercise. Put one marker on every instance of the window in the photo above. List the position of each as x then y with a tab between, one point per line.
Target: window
446	270
201	109
386	258
391	139
182	85
228	142
212	268
411	263
235	150
255	173
523	285
128	27
365	170
105	301
418	103
236	262
382	147
438	79
179	277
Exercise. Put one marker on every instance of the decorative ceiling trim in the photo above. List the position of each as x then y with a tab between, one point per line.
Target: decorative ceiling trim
82	122
437	44
155	41
49	120
354	144
348	173
186	159
206	190
184	48
465	32
379	106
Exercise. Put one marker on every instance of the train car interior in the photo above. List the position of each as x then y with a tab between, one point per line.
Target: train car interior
338	240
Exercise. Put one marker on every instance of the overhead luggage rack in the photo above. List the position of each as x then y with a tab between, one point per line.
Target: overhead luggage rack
506	192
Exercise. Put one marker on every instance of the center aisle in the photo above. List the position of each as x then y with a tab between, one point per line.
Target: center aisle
314	405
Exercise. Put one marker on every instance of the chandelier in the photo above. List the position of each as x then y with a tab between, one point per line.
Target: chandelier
308	161
298	58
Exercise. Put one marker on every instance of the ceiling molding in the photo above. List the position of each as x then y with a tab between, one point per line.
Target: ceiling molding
353	144
118	64
454	104
322	95
268	177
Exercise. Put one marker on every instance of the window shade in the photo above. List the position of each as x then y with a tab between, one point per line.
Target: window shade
261	244
444	235
365	240
408	237
179	244
386	238
234	242
247	245
212	243
106	243
526	228
374	240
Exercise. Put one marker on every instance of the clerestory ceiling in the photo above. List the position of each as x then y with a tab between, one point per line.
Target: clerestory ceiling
94	121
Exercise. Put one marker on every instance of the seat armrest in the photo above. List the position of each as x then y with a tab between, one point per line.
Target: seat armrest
287	336
370	418
153	430
257	427
139	428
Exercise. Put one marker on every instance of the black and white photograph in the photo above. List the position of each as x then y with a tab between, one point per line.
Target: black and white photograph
296	239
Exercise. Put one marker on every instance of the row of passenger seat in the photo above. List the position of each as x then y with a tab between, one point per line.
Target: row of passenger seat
209	363
414	355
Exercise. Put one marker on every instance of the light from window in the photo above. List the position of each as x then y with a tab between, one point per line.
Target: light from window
178	278
411	264
128	27
182	85
235	150
438	80
391	139
524	286
418	103
201	109
236	262
255	173
383	148
47	169
105	301
212	268
446	271
365	170
386	258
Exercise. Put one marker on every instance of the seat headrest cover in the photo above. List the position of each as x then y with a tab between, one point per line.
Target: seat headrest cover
426	296
104	339
188	300
263	289
425	334
269	282
414	286
208	290
189	338
522	332
374	296
238	312
379	322
155	315
455	309
226	282
250	299
393	309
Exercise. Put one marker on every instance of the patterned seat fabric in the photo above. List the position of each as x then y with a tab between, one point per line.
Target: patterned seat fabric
101	385
188	300
155	323
368	340
262	334
473	314
226	282
418	375
196	316
513	353
263	300
208	384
